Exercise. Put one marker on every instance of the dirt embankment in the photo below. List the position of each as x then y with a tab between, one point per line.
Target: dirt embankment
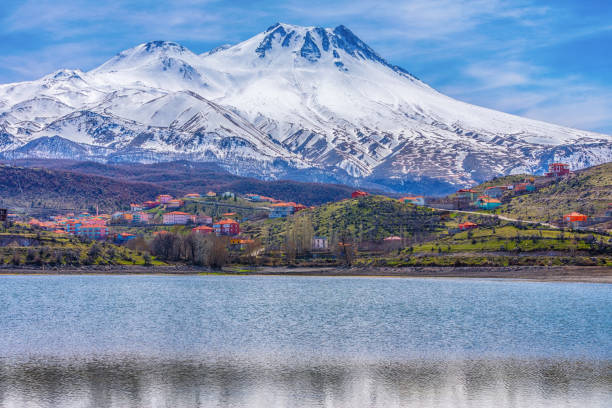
594	274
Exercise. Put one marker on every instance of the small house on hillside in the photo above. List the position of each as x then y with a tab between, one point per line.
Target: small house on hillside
320	243
163	198
175	203
495	191
136	207
142	217
520	187
416	200
358	193
558	170
467	193
150	204
280	210
211	194
467	226
487	203
575	219
203	229
192	195
237	244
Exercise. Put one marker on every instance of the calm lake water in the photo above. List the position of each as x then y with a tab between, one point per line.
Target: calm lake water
221	341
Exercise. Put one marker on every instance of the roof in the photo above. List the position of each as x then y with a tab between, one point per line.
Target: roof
177	213
489	200
466	190
202	228
284	205
574	214
226	221
393	238
468	224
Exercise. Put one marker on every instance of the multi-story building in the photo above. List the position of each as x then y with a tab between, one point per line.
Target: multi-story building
163	198
178	217
227	227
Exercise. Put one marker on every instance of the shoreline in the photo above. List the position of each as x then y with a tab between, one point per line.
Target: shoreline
586	274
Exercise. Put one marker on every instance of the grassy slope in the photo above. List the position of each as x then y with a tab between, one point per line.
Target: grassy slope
44	247
33	187
200	178
588	191
371	218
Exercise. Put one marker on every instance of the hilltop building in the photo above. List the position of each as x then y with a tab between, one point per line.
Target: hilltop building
416	200
558	170
280	210
487	203
163	198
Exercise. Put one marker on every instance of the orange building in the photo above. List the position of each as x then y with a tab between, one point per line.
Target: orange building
203	229
467	225
575	219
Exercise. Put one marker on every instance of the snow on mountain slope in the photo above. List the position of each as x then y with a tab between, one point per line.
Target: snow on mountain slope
303	102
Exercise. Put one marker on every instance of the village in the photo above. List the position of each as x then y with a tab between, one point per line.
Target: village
166	210
239	220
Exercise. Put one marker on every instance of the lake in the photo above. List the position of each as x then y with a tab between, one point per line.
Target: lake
254	341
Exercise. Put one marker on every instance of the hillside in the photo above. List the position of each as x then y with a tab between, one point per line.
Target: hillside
587	191
366	219
37	188
199	177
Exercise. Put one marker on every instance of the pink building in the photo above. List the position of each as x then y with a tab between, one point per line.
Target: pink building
178	217
142	217
204	219
163	198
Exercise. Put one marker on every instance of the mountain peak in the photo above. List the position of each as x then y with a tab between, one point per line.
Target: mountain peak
163	46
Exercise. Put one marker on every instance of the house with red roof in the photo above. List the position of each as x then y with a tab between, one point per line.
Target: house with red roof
487	203
203	229
226	227
163	198
575	219
359	193
467	226
280	210
416	200
558	170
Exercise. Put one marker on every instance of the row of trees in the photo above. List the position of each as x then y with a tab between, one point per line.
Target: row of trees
193	248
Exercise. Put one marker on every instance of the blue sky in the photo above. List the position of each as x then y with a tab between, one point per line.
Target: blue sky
548	60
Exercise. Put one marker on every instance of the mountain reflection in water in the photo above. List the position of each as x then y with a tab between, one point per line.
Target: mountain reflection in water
138	382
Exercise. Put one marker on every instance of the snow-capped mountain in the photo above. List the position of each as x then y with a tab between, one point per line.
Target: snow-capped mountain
307	103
